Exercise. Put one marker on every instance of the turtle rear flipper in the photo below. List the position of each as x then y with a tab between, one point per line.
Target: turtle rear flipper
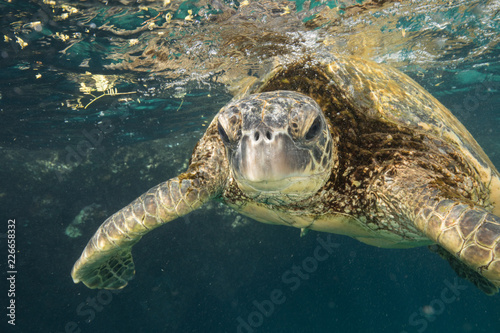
106	261
465	272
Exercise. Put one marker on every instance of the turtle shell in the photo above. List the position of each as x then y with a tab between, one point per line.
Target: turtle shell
383	94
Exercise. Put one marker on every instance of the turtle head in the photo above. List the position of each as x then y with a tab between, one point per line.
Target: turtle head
279	146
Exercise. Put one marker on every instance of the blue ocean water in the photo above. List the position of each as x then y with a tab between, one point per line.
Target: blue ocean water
101	100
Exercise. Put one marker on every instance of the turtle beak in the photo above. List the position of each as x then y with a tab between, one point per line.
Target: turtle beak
266	158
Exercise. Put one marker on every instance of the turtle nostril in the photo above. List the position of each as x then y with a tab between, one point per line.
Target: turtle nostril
256	136
269	136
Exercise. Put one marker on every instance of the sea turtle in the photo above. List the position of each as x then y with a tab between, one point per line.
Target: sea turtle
335	144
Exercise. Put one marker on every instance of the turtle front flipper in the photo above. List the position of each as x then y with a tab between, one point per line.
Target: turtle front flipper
449	214
464	271
107	261
469	233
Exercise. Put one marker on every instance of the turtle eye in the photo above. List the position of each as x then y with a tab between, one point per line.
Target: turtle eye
314	130
223	134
